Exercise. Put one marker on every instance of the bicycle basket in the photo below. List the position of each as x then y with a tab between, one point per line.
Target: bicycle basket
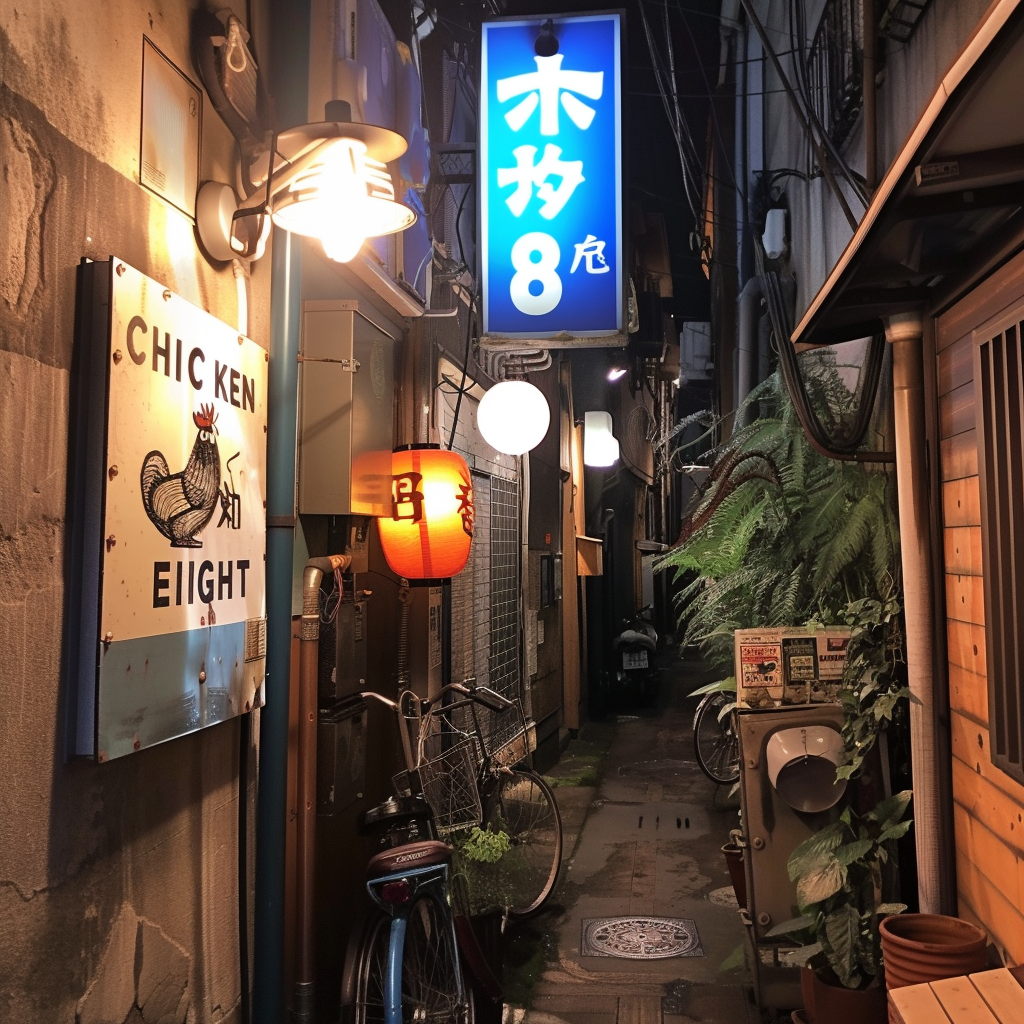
449	784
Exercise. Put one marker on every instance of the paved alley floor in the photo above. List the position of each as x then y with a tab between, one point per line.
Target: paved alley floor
643	843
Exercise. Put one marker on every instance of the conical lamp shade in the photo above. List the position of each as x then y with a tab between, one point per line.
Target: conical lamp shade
430	530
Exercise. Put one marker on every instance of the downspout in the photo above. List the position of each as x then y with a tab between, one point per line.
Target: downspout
747	345
272	808
931	822
303	1002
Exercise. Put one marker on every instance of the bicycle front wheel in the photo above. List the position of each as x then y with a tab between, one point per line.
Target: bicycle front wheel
524	807
714	741
431	991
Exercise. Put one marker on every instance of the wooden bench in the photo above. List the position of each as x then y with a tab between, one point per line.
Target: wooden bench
991	997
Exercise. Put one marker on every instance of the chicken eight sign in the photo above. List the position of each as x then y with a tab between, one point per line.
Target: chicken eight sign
182	611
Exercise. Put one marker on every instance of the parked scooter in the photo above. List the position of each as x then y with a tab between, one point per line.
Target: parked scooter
636	646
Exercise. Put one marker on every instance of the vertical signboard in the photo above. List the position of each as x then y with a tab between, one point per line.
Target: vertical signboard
171	632
550	167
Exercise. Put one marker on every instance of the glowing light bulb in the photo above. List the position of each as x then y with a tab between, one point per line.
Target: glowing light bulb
513	417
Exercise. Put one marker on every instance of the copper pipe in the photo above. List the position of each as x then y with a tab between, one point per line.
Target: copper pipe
309	653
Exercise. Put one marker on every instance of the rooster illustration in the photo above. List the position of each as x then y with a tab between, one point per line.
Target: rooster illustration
180	505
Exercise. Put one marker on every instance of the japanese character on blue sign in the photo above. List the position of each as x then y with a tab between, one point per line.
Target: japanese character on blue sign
551	179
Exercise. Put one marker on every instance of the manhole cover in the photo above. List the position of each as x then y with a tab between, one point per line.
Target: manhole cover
640	938
724	897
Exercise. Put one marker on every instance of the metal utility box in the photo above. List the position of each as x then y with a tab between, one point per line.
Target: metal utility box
426	636
772	827
341	759
346	396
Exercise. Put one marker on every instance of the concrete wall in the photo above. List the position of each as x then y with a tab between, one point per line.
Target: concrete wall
818	229
118	882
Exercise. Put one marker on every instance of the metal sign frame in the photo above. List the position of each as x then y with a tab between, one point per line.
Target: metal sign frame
550	195
166	610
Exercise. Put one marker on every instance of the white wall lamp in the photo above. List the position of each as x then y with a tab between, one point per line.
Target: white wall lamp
513	417
600	447
327	180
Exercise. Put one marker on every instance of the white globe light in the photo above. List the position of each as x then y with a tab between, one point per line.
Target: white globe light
513	417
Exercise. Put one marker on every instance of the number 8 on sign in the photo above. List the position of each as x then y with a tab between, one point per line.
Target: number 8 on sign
541	271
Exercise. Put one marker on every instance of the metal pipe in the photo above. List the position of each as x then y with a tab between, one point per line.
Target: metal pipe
272	807
749	303
904	332
305	842
868	91
289	46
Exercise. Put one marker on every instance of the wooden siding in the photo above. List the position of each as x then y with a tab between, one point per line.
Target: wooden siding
988	804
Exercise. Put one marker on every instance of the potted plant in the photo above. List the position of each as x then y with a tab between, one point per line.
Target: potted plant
844	872
839	885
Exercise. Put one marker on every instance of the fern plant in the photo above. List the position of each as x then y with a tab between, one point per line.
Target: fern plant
780	534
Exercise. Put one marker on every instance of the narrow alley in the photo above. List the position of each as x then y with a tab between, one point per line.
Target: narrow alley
643	843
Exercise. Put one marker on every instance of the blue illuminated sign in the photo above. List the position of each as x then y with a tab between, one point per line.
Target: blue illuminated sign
551	179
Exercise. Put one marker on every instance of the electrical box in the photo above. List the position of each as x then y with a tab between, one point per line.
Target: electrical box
346	395
773	827
425	660
341	759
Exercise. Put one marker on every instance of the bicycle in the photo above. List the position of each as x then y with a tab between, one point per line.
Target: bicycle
409	962
715	742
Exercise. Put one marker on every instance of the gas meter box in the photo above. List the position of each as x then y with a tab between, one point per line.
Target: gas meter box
789	665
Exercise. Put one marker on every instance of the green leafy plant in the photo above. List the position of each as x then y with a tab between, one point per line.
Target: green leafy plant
481	867
874	680
839	877
779	534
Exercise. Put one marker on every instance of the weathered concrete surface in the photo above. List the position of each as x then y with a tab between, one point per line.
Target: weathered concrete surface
648	845
118	882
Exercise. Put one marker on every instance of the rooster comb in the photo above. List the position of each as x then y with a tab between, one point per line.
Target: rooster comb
205	418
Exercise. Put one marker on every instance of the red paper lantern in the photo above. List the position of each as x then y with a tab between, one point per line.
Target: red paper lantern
429	532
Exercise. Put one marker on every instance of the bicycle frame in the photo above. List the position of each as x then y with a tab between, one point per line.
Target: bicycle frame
431	881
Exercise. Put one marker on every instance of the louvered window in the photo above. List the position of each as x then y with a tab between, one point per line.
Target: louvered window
1000	410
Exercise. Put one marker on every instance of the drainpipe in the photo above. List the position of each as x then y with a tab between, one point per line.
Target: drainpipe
927	729
305	844
289	53
747	355
272	811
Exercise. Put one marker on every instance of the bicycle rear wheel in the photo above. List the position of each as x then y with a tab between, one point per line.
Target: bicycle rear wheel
524	807
714	741
430	981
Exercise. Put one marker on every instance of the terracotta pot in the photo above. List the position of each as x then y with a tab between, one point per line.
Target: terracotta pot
734	862
917	948
807	990
839	1005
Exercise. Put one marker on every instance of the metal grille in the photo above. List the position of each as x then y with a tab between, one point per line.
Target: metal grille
835	67
1000	418
485	606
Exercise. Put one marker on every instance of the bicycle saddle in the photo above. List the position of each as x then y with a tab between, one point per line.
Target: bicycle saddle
411	855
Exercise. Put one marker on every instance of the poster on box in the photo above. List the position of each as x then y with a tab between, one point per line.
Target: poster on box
799	668
758	666
789	665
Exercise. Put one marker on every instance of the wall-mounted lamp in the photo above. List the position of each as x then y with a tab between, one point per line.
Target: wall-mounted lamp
617	372
328	180
513	417
600	447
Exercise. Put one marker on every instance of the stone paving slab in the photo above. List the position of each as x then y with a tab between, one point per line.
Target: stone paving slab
647	842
